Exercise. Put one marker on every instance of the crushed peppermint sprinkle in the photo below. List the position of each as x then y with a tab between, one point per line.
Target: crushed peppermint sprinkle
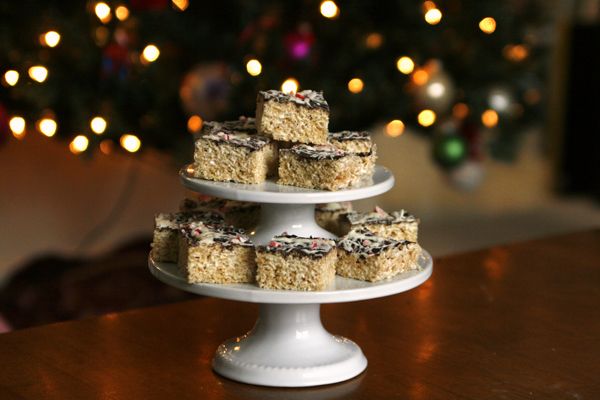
307	98
287	244
198	233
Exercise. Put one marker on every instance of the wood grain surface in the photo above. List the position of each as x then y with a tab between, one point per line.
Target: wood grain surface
520	321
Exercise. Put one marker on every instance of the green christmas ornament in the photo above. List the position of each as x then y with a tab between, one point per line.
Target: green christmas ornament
449	150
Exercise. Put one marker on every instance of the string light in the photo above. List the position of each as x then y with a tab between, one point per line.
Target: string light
11	77
428	5
150	53
329	9
356	85
131	143
98	125
460	110
426	118
106	146
489	118
195	123
47	126
181	5
394	128
290	85
435	90
122	13
50	39
420	77
487	25
516	53
79	144
17	126
374	40
405	65
38	73
433	16
102	11
254	67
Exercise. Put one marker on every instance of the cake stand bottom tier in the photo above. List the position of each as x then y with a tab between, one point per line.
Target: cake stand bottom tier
288	347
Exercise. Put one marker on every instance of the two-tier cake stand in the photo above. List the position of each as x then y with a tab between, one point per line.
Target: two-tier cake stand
288	345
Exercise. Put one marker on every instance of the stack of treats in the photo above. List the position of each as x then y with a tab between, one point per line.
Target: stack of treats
288	141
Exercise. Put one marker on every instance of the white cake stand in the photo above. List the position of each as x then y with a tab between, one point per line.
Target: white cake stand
288	346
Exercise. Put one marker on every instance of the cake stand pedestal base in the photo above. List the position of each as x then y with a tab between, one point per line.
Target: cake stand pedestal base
295	219
288	347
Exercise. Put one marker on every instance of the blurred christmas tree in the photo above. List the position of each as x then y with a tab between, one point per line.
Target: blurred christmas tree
142	73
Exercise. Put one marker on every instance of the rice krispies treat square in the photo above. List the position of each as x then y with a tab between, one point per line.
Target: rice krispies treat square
165	242
319	167
358	143
234	156
216	254
366	257
289	262
329	216
243	124
301	117
398	225
241	214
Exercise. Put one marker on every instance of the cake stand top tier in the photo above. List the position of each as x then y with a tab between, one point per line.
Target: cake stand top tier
271	192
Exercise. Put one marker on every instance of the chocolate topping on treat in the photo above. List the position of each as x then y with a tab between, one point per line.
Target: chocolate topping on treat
241	139
349	135
173	221
306	98
380	217
288	244
244	124
365	243
200	233
318	152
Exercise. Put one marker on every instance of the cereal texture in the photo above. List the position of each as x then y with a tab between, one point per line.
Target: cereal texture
295	272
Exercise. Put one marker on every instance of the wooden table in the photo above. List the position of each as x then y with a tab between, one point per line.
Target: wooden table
520	321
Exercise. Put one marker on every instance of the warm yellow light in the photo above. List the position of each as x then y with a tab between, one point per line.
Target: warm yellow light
98	125
47	126
106	146
329	9
420	77
150	53
194	123
50	39
11	77
460	110
374	40
489	118
394	128
487	25
405	65
181	4
433	16
122	13
289	86
131	143
254	67
102	11
17	126
79	144
38	73
426	118
356	85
